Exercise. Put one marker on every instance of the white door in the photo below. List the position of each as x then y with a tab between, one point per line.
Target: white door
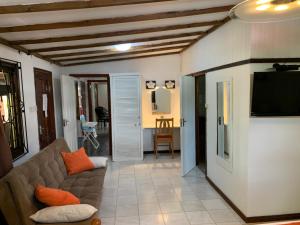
126	117
187	130
69	111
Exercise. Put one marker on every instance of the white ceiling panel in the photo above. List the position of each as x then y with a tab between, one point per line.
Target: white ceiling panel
110	28
111	47
109	12
123	57
19	19
116	38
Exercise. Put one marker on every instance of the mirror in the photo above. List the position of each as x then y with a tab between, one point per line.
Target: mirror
161	101
224	119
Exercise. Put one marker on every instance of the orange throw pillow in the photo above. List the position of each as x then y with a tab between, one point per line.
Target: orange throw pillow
55	197
77	162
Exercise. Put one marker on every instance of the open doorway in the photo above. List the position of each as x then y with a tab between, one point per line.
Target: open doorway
200	113
93	102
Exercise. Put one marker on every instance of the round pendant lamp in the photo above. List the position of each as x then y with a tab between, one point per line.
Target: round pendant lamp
266	10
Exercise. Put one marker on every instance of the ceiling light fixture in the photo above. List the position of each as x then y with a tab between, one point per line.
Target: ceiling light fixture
123	47
281	7
263	7
266	10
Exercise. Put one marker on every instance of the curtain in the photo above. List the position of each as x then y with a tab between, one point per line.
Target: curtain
5	153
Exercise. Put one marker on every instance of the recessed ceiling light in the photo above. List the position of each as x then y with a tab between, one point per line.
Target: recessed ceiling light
123	47
263	7
259	2
281	7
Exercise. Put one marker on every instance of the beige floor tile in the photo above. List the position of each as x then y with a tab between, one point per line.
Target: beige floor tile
214	204
170	207
148	209
152	220
176	219
223	216
200	217
132	220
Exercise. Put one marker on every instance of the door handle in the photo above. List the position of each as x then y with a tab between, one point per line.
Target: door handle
220	120
182	122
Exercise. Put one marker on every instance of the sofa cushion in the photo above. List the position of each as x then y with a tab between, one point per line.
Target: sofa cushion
86	186
55	197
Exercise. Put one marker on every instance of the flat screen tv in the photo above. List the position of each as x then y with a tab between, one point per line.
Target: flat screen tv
276	94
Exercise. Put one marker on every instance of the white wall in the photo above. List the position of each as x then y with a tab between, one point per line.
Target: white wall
266	151
228	44
274	153
153	68
28	63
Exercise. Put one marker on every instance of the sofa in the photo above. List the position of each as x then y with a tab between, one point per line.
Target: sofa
17	200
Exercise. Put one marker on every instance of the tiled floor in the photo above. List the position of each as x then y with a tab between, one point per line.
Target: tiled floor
152	192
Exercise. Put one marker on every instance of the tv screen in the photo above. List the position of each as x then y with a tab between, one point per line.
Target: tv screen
276	94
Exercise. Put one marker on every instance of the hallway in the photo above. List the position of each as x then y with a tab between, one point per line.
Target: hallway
152	192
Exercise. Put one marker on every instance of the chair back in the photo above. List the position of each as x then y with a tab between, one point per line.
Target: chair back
164	126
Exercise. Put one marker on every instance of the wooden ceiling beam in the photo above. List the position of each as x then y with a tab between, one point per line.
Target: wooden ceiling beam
214	28
26	51
181	43
107	21
118	54
104	44
69	5
116	33
120	59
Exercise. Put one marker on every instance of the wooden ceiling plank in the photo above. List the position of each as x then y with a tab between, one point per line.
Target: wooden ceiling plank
112	43
116	33
107	21
214	28
69	5
181	42
117	54
121	59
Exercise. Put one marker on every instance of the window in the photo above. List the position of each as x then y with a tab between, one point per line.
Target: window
12	107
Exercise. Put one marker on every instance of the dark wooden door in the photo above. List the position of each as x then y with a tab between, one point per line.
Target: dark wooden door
200	98
45	106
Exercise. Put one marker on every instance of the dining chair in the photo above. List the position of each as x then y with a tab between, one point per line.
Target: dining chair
164	134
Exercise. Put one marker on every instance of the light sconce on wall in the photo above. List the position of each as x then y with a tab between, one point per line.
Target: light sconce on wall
150	84
170	84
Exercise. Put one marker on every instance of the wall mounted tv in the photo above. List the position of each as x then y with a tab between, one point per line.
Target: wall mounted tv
276	94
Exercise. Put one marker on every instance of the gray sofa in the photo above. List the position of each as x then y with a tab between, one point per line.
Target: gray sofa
17	201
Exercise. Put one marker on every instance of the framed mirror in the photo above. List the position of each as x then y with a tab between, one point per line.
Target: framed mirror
161	101
224	121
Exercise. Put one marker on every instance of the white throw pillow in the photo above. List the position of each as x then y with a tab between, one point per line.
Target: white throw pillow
64	214
99	162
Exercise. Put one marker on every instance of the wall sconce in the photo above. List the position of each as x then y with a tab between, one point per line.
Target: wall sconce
150	84
170	84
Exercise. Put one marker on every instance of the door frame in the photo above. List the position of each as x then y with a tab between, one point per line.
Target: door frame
87	76
197	128
36	72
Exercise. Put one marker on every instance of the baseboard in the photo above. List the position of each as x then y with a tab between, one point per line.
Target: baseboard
256	219
161	151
